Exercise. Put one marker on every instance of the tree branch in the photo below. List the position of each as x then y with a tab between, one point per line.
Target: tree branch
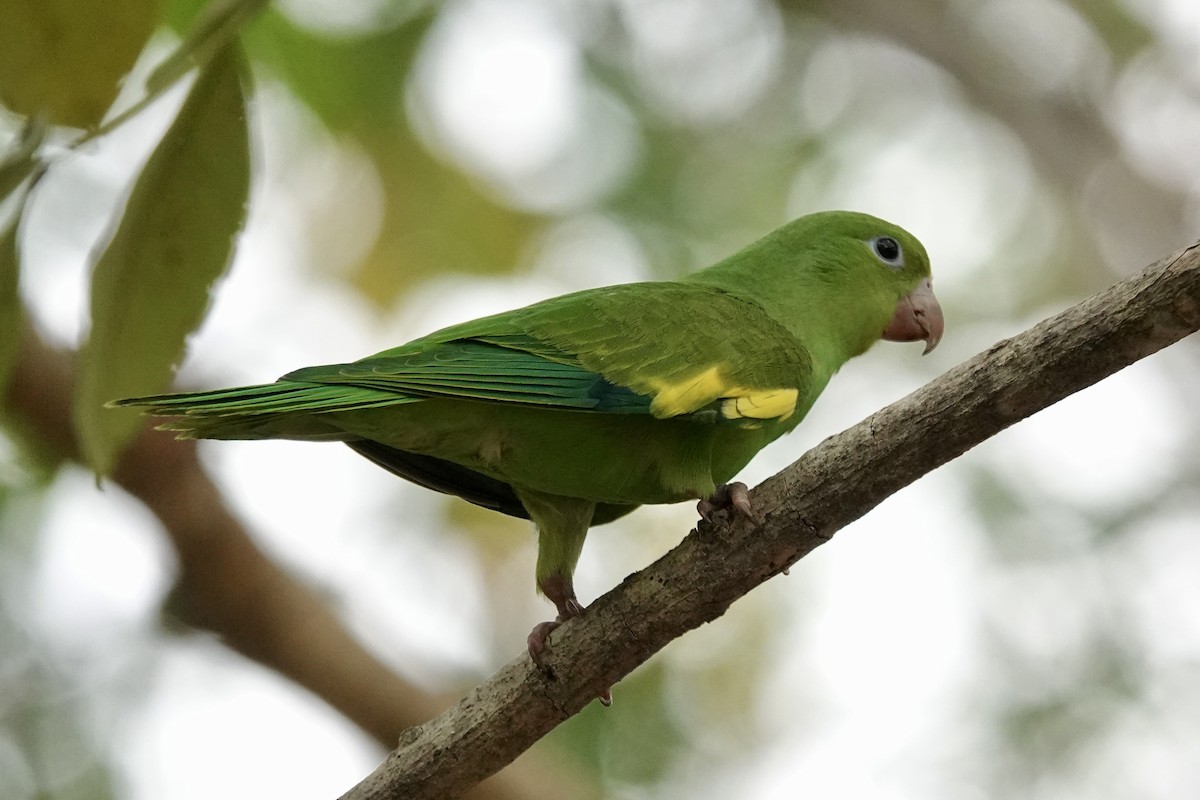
830	486
228	586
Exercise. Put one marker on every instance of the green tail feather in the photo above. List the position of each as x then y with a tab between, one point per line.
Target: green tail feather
286	409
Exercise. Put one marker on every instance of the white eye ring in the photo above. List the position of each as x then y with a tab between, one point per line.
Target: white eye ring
887	250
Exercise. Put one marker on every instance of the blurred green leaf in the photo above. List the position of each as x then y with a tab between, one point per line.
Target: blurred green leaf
437	219
10	303
636	741
1123	30
352	83
22	162
151	284
215	27
438	222
66	58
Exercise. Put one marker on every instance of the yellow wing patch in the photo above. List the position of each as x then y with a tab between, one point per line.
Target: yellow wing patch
737	402
763	404
683	397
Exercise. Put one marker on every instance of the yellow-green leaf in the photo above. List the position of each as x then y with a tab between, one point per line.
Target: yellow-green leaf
22	161
65	58
215	27
150	286
10	303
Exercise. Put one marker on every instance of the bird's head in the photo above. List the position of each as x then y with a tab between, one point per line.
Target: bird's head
917	315
875	275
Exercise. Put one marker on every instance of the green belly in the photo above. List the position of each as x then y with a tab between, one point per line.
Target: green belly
626	459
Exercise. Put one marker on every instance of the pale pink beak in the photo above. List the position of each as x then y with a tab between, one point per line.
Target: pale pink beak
917	316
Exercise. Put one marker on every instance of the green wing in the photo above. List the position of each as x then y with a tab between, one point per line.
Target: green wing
691	349
666	349
514	370
661	349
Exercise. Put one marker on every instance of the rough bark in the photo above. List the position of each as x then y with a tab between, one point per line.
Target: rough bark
830	486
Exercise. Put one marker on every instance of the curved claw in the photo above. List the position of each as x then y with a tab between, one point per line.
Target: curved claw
538	641
730	495
562	594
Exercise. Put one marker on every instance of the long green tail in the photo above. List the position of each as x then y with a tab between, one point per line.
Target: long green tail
282	410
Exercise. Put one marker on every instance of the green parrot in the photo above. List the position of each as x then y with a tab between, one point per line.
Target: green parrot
575	410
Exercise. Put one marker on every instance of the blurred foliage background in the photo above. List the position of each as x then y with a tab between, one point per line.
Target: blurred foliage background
1023	623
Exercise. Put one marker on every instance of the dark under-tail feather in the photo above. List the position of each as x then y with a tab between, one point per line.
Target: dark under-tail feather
450	478
443	476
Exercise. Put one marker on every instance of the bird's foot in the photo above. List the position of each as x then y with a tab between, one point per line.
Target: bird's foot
729	495
538	640
560	591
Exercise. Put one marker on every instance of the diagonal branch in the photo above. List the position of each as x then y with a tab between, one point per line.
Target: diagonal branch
830	486
228	586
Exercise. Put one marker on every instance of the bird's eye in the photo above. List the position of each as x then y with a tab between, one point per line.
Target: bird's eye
888	250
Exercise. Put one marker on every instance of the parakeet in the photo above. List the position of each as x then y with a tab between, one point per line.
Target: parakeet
575	410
